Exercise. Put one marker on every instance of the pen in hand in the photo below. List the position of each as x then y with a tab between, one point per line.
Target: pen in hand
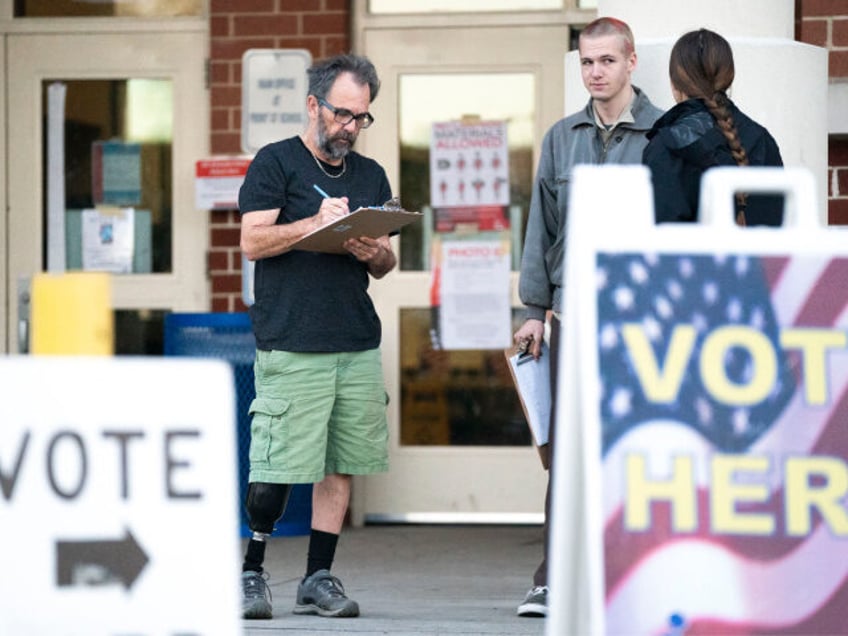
333	211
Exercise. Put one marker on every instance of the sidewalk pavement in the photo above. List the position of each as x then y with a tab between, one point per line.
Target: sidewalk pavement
411	579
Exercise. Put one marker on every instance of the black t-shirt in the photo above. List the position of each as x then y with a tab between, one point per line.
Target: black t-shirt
310	301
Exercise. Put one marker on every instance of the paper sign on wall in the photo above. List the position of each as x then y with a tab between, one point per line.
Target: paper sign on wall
474	295
108	236
217	182
116	173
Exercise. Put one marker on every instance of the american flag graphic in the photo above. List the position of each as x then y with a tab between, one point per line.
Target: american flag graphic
663	581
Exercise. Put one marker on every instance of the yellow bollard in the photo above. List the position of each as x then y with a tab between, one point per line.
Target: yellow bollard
72	314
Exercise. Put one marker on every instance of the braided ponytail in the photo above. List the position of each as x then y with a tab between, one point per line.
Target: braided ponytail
701	65
717	105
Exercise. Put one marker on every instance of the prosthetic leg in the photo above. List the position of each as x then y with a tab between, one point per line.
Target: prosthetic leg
265	504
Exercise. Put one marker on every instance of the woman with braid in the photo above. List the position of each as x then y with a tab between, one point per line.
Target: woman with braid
704	130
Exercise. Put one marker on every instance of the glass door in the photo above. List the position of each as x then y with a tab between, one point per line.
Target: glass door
460	448
104	132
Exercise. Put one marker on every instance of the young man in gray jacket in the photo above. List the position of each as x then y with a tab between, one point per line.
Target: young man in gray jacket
610	129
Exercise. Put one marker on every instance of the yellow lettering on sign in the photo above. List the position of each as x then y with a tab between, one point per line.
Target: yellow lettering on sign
815	483
678	489
763	365
660	385
829	499
726	492
814	344
661	380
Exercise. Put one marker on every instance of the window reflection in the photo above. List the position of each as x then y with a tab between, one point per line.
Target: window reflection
117	154
118	8
455	398
149	111
139	332
429	98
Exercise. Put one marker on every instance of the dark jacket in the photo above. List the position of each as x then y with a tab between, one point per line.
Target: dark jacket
685	142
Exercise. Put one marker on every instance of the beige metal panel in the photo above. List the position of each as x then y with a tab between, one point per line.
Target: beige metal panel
179	57
5	287
473	19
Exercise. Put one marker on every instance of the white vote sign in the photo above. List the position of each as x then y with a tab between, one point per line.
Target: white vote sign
701	471
118	501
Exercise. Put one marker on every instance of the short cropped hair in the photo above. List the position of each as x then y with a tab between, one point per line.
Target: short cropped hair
610	26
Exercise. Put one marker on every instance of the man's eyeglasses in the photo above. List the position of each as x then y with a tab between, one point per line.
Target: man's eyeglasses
343	116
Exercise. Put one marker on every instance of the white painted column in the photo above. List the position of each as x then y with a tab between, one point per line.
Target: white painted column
780	83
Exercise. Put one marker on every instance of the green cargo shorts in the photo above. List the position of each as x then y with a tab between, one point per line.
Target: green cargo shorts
317	414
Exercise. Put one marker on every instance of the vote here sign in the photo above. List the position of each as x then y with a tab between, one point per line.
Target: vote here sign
713	361
117	496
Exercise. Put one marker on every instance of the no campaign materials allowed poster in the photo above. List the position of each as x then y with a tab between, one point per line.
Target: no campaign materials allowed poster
713	469
469	164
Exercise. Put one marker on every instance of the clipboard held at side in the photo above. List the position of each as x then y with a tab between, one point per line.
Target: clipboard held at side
532	380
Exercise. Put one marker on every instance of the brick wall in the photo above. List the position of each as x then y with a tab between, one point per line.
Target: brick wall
323	27
320	26
825	23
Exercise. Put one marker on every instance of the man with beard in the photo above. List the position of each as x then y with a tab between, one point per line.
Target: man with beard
320	410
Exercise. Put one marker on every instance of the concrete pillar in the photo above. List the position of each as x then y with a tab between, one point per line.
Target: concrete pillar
779	82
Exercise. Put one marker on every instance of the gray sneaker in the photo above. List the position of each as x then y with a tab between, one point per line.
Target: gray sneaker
323	594
535	603
255	595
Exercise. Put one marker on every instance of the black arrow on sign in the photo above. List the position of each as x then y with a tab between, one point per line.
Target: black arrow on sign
99	562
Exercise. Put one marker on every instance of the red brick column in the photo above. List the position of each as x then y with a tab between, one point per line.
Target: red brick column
825	23
320	26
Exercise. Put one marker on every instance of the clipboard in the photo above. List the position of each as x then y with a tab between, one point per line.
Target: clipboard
532	380
366	221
